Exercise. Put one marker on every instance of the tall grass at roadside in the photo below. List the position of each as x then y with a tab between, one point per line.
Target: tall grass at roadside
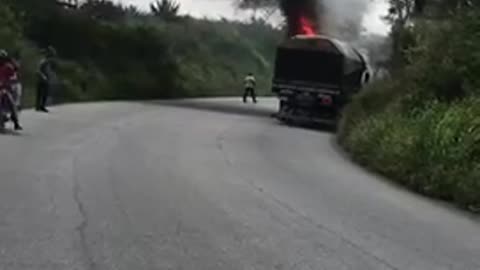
421	127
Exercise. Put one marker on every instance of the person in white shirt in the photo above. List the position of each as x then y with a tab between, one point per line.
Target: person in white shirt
250	84
16	83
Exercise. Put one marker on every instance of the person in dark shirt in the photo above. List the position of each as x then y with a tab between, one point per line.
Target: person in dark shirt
45	79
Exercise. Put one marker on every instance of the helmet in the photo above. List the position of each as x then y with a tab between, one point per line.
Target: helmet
3	54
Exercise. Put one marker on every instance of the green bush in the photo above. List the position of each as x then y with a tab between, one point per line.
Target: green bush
113	53
10	36
422	127
435	152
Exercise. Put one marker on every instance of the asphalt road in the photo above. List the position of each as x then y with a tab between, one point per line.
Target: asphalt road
209	184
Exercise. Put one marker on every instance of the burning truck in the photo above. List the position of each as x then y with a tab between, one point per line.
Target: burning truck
315	75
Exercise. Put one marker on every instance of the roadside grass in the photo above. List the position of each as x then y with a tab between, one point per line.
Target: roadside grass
421	127
434	151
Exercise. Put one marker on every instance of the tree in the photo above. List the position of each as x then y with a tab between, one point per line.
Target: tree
255	4
404	14
133	11
103	10
29	8
440	9
420	6
68	3
401	16
400	12
10	29
262	9
165	9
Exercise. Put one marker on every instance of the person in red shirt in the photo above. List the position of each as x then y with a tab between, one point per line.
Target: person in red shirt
7	72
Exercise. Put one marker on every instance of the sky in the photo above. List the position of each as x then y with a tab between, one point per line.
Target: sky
224	8
373	19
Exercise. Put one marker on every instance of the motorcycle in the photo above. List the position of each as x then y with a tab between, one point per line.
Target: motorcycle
5	113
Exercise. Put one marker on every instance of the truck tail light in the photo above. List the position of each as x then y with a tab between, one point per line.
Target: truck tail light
326	100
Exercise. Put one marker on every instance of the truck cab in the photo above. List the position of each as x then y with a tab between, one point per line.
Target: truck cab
315	76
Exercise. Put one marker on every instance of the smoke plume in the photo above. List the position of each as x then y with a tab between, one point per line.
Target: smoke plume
341	18
303	16
344	18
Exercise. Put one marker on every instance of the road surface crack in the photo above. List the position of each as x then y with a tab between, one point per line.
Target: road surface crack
220	141
83	225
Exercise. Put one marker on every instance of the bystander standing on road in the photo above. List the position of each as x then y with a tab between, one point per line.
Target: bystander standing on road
46	77
250	83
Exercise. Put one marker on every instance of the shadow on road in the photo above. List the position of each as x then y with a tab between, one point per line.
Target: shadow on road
9	132
311	126
231	107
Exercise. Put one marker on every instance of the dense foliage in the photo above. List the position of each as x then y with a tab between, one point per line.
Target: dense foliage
421	127
108	51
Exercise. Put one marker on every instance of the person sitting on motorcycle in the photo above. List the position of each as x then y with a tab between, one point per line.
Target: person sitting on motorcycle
7	72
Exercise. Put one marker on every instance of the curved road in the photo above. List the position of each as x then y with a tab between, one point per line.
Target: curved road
208	184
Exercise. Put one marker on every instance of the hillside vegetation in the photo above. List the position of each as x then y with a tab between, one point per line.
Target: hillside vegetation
108	51
421	127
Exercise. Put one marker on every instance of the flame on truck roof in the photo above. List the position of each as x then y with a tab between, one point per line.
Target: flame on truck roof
323	43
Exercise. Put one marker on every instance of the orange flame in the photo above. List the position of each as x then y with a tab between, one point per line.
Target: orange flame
306	27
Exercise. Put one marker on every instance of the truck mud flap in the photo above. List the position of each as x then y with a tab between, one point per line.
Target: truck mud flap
304	119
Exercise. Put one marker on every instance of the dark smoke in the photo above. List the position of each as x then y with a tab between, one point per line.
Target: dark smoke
303	16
